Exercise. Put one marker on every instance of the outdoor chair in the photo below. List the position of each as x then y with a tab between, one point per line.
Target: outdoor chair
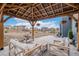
54	50
58	48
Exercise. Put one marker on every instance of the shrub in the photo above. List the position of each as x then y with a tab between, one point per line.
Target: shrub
70	34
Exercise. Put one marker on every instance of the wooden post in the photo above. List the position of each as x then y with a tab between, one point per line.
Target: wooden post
1	32
33	32
32	24
1	36
1	28
78	34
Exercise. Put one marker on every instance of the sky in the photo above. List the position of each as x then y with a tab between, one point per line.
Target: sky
50	23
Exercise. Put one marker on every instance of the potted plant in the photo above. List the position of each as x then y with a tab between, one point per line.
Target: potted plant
70	35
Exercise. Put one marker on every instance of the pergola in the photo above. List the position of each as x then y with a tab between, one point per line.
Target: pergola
34	12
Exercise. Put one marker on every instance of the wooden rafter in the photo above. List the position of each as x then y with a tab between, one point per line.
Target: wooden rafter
36	17
7	19
58	13
62	7
32	13
36	5
17	7
43	8
26	12
67	13
17	12
2	7
52	10
1	12
38	11
41	11
1	16
72	5
16	16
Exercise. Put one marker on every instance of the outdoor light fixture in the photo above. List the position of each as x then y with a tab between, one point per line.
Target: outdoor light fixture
38	24
64	21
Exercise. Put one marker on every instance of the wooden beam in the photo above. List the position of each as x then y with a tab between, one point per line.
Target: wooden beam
43	8
67	13
36	17
15	16
17	7
32	24
51	16
1	12
6	19
17	12
1	16
71	5
52	9
33	32
62	7
2	7
38	11
26	12
32	13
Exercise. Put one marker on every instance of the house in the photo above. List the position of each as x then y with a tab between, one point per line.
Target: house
20	28
74	26
65	26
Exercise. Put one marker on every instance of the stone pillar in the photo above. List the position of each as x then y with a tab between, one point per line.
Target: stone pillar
78	34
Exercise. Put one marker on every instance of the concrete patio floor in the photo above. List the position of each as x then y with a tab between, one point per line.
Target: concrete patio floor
44	40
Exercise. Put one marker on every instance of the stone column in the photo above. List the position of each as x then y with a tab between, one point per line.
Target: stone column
78	34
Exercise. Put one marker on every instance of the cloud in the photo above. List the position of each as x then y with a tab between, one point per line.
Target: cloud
20	20
49	24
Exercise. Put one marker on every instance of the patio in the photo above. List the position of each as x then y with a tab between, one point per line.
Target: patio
44	40
35	12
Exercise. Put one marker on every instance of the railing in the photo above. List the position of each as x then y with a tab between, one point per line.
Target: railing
36	50
31	51
12	48
28	52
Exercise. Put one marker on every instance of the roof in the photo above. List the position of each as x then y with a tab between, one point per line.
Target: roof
38	11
